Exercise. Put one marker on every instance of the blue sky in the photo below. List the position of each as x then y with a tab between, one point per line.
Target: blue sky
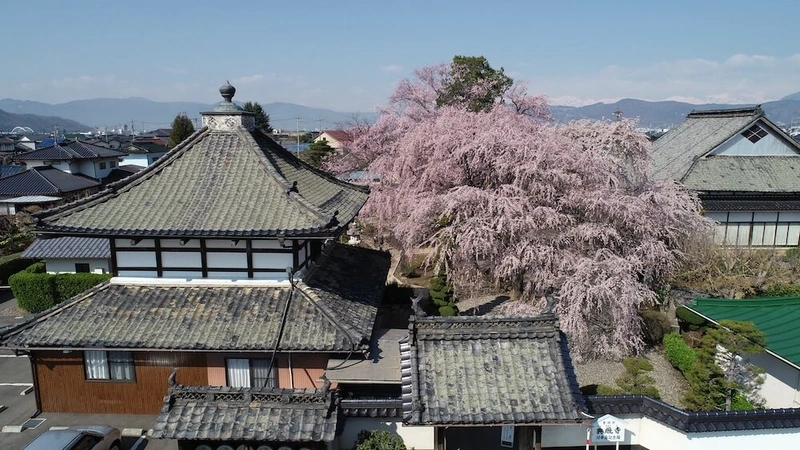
349	55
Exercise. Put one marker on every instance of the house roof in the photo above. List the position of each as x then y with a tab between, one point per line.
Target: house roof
685	154
8	170
339	135
333	309
69	150
44	180
224	180
472	370
118	173
776	317
28	199
144	148
269	414
70	247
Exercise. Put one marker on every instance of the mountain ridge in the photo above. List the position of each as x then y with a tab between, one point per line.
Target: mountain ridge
144	114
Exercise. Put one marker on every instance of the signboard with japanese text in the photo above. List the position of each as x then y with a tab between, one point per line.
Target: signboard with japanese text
608	429
507	436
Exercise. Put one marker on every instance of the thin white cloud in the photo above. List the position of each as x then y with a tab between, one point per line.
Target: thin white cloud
391	68
739	78
248	79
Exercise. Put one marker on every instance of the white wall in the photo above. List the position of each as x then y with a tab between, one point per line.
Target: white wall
743	440
781	381
68	265
135	159
420	438
769	145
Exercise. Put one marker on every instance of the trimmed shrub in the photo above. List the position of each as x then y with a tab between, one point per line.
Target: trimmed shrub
9	268
739	403
68	285
447	311
635	379
678	352
604	389
783	290
38	267
656	325
688	320
34	292
378	440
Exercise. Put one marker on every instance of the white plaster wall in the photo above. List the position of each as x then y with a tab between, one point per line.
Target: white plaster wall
269	243
657	436
176	243
272	260
227	260
226	243
136	259
742	440
126	243
781	381
135	159
181	259
769	145
420	438
68	265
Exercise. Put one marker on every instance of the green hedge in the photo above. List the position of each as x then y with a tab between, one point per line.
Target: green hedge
37	292
783	290
688	320
9	268
679	353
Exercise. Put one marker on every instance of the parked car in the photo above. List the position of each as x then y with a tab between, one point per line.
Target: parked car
89	437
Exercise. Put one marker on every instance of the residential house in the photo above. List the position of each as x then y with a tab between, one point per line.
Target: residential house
143	153
43	186
777	318
71	254
745	169
226	268
337	139
7	145
74	157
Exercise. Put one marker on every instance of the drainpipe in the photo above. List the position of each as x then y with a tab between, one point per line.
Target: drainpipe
291	372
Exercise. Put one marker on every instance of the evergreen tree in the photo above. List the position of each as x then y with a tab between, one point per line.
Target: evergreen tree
473	84
635	379
441	293
182	128
262	118
316	153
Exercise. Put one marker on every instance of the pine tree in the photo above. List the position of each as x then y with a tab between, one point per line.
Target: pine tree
262	118
182	128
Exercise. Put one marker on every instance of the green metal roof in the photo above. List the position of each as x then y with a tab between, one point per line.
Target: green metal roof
776	317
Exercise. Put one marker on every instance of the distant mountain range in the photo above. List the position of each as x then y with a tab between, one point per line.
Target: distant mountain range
143	114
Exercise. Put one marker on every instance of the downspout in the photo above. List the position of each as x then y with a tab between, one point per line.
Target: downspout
291	372
283	324
37	395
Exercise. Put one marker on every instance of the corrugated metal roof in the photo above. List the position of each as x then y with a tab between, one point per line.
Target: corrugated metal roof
776	317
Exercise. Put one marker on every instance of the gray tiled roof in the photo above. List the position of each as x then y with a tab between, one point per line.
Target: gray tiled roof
216	183
219	413
745	174
44	180
69	247
701	132
69	150
478	370
219	317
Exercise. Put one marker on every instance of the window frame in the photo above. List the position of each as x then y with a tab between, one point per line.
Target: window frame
79	266
109	361
251	369
101	165
755	133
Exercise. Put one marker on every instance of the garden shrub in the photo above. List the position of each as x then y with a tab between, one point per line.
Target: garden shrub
688	320
36	292
740	403
782	290
635	379
678	352
378	440
656	325
38	267
604	389
9	268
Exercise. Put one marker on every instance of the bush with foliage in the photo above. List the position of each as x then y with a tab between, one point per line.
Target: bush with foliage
635	379
36	291
688	320
678	352
783	290
441	293
378	440
11	267
656	325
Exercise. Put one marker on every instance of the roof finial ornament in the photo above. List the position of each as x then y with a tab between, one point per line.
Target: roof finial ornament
227	91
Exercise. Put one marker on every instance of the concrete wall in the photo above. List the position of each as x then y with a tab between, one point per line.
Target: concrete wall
419	438
781	381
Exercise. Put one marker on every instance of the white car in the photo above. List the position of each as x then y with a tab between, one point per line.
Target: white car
89	437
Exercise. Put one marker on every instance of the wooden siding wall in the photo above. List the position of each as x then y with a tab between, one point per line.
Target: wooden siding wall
306	370
63	386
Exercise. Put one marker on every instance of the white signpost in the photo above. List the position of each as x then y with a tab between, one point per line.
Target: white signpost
607	429
507	436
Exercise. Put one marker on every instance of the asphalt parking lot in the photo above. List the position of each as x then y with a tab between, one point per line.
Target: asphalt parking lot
18	402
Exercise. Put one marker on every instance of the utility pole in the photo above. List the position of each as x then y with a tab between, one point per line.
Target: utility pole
320	124
297	149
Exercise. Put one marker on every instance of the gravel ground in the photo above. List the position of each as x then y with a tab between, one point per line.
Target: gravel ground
670	382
